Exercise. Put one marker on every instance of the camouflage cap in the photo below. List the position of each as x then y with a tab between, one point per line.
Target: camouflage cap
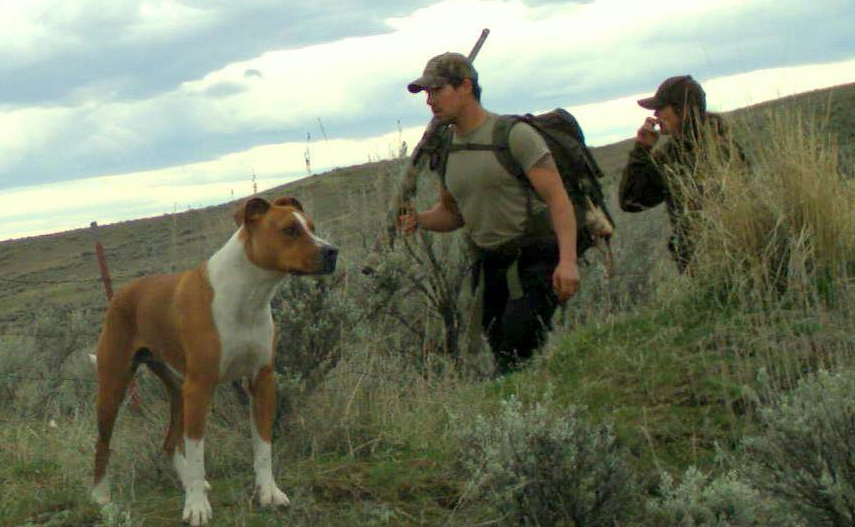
443	69
680	91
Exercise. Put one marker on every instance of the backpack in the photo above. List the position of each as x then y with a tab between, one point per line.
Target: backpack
577	167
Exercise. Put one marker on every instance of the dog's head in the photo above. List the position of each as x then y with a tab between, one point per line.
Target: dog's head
279	236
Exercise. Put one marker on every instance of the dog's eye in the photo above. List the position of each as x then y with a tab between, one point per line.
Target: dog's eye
292	231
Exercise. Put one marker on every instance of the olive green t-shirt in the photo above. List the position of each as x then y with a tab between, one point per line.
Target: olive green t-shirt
493	202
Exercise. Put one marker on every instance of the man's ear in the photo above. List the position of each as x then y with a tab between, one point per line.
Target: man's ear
288	201
251	211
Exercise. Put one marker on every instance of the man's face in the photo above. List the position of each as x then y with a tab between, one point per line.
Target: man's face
445	101
670	121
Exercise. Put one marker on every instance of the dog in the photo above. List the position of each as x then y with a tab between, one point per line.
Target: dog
209	325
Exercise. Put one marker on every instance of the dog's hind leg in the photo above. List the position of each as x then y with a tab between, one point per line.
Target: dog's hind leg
172	443
263	391
116	367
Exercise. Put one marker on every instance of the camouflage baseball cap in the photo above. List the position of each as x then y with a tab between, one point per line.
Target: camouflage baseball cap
443	69
677	91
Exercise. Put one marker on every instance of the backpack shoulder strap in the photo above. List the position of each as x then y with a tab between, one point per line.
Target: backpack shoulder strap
502	146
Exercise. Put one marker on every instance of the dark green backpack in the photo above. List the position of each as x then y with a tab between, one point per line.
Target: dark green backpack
579	171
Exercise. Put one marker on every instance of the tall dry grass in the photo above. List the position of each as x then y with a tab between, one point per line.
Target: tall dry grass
775	248
782	227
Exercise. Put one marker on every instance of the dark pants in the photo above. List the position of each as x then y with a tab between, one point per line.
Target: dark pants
515	327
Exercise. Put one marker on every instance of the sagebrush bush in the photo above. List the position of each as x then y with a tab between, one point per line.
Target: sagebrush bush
700	500
423	284
540	465
311	315
804	454
44	372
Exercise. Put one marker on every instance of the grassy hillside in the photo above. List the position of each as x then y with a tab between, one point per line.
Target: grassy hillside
648	374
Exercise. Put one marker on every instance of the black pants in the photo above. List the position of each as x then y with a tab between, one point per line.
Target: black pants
515	327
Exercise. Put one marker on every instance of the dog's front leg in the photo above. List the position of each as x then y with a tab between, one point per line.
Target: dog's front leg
263	391
197	403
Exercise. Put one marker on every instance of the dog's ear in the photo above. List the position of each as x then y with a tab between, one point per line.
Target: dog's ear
288	201
251	211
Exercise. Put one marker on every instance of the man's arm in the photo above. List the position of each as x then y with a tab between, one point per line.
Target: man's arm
547	183
642	185
442	217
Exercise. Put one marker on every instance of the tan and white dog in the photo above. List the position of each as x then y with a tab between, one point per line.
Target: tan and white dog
206	326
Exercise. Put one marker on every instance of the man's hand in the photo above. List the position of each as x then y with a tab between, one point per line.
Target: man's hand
647	135
408	220
565	280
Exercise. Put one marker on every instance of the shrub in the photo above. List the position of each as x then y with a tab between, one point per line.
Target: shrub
44	371
804	454
422	284
704	501
311	317
538	466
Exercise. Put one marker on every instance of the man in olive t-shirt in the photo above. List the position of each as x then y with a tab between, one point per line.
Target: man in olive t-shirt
524	277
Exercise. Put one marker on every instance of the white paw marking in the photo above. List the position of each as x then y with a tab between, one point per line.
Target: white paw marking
180	465
271	496
101	493
197	509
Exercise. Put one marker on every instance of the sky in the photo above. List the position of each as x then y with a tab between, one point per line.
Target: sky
120	109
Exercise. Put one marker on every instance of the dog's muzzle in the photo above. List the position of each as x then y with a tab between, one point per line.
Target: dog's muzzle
329	255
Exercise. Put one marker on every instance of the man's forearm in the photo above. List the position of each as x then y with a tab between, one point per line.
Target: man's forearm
641	185
564	222
439	219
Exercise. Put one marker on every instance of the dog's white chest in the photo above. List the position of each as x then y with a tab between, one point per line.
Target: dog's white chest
246	343
241	311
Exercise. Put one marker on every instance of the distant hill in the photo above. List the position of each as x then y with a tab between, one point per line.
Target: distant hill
59	271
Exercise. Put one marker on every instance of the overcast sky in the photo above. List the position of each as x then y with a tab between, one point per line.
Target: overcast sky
120	109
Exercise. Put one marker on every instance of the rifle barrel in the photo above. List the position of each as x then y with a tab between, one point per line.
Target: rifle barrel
477	47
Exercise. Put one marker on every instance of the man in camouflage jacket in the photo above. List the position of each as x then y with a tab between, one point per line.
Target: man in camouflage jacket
667	173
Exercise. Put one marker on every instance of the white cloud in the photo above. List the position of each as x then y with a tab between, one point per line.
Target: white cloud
161	18
34	29
749	88
26	132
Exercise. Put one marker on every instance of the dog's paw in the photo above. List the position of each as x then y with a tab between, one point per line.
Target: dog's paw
101	493
197	509
271	496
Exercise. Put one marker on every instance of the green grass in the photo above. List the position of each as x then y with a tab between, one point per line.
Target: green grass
47	485
663	376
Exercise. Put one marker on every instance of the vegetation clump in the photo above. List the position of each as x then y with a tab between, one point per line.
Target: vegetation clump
803	453
539	465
